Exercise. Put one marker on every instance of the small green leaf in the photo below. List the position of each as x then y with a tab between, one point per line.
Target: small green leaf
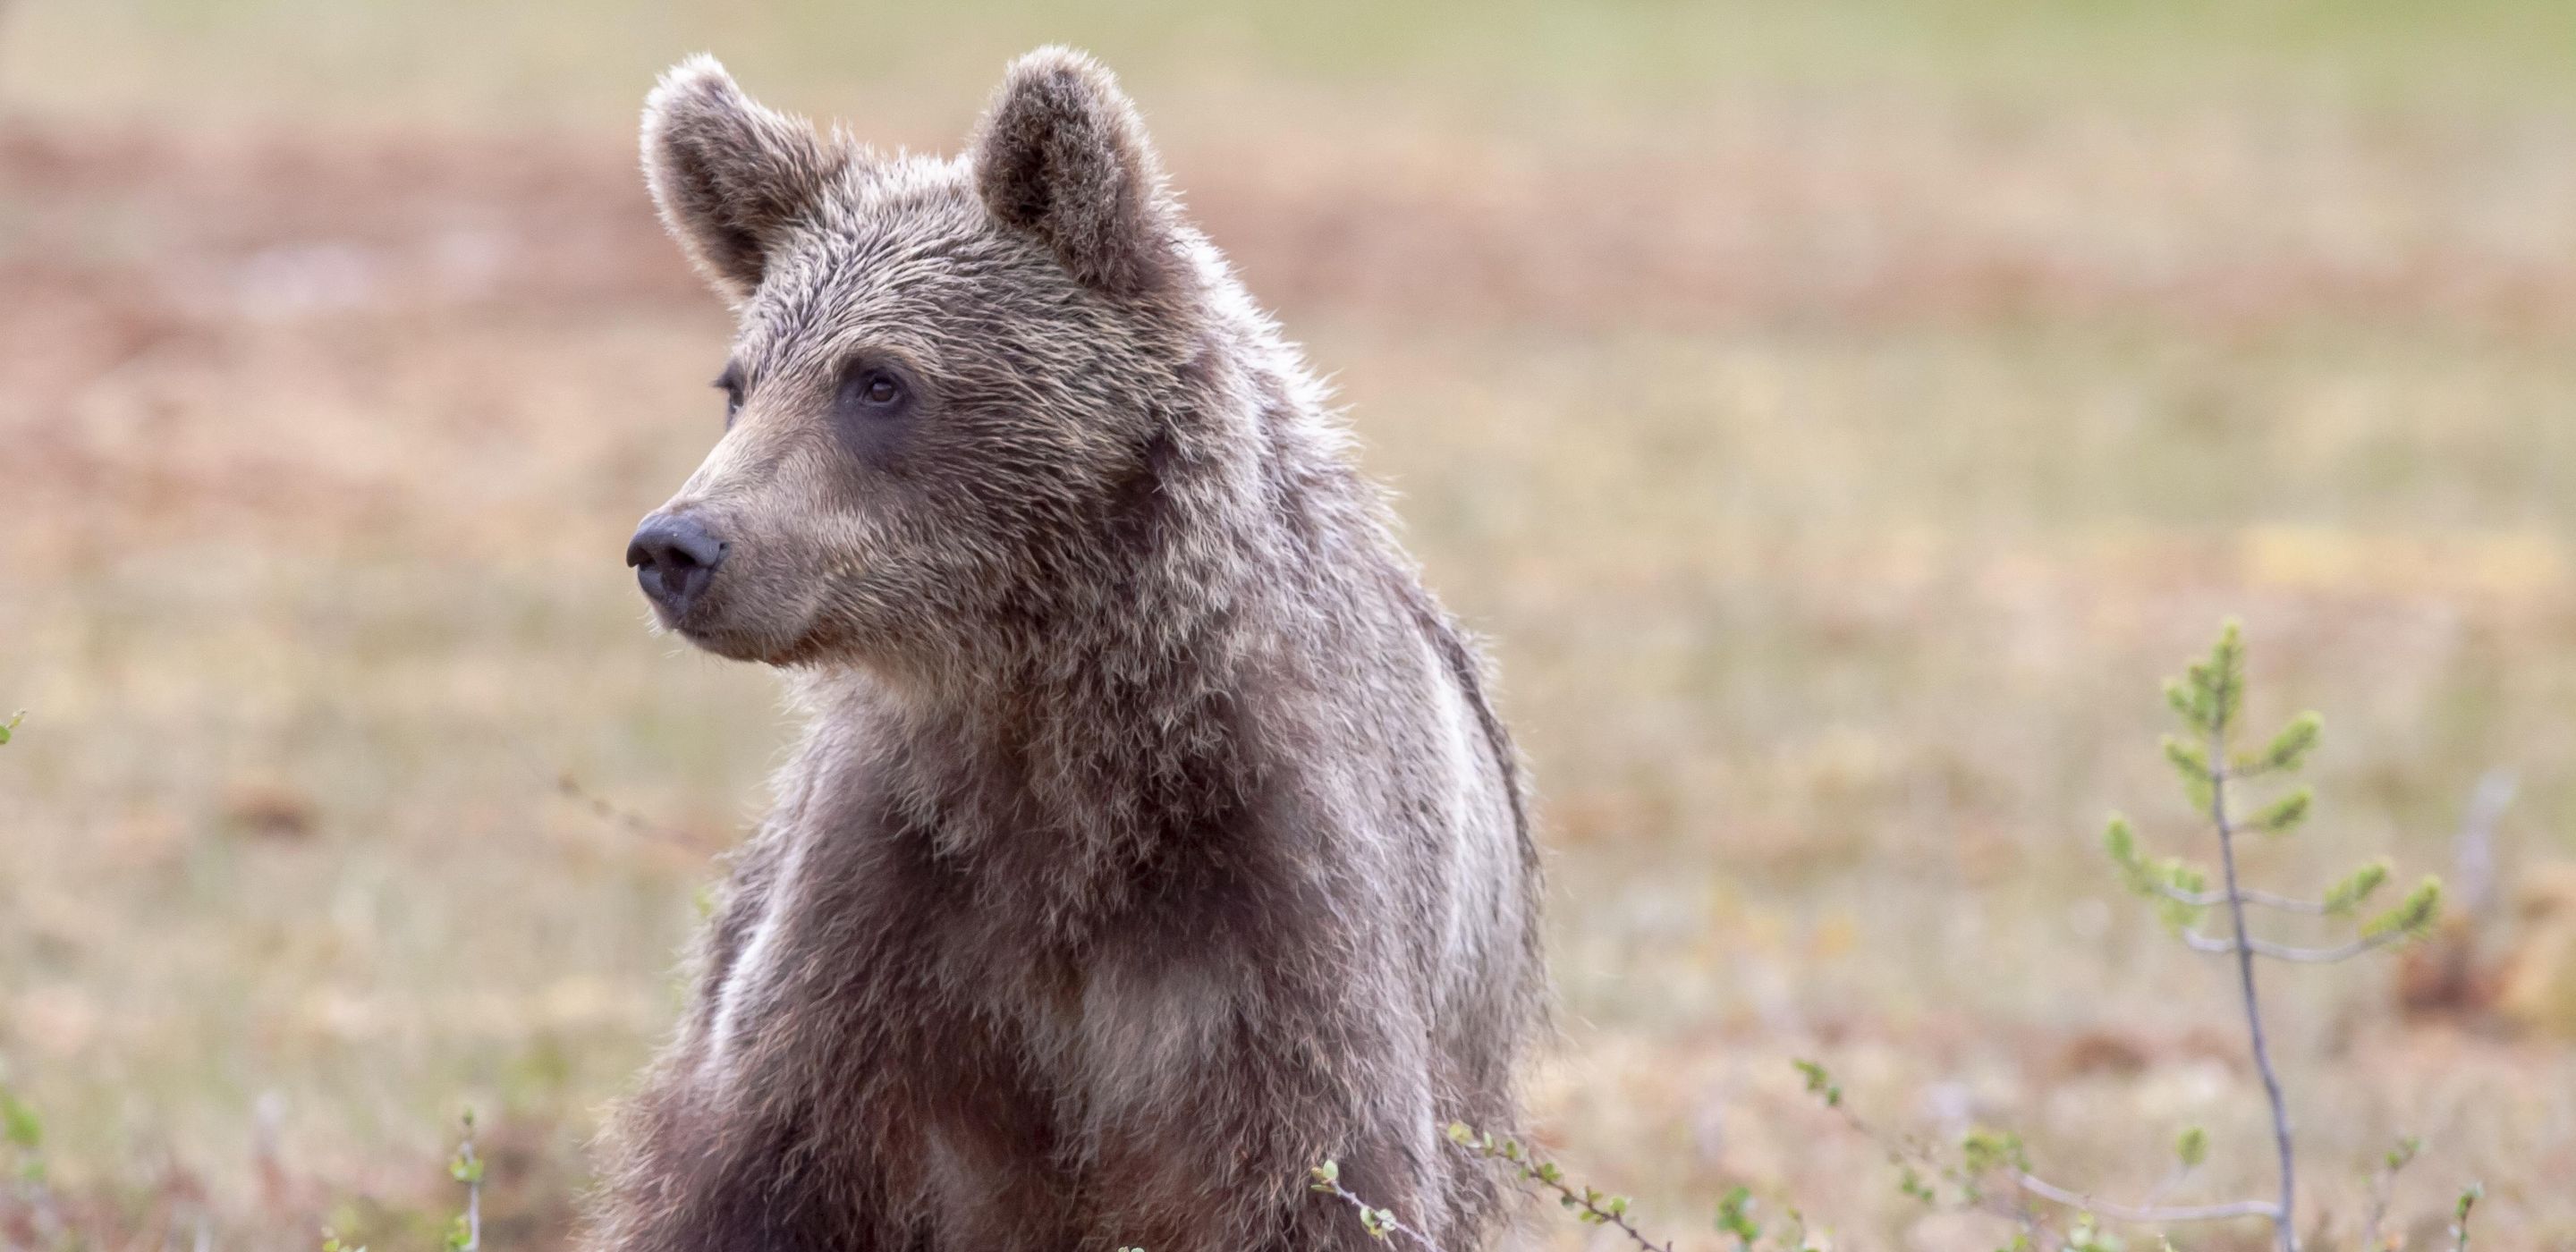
2191	702
2188	759
2355	887
2227	671
2404	1152
1984	1151
2412	915
1735	1217
2180	878
2120	842
2192	1148
2283	815
2289	749
1820	1083
1327	1174
19	1123
1911	1184
2088	1236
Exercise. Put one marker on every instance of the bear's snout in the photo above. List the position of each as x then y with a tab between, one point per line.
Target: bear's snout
675	557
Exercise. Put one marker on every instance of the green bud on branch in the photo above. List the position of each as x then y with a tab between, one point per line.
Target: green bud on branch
2412	915
2357	886
2288	750
2282	815
2188	759
1821	1083
2192	1148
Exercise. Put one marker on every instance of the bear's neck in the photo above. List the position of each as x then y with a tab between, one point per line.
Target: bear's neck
1136	712
1054	791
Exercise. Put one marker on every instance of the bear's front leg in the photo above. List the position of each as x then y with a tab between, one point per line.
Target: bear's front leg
692	1176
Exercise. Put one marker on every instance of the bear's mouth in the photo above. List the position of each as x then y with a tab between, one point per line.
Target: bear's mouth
726	644
710	626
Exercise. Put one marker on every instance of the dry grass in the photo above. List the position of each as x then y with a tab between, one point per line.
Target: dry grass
1838	429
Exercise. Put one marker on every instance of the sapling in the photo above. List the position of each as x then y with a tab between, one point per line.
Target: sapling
2217	777
2210	701
465	1234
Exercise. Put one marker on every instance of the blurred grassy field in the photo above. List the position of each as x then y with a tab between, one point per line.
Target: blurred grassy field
1840	416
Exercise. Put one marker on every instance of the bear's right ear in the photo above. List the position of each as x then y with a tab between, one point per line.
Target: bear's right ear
1063	156
730	176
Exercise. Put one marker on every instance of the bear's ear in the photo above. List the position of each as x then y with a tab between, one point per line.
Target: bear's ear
730	176
1062	155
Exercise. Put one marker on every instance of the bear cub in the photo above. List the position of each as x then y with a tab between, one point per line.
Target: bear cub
1151	838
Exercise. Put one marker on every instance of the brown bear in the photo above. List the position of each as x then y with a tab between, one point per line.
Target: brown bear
1152	838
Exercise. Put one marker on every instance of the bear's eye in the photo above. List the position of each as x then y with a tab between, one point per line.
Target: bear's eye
873	390
730	383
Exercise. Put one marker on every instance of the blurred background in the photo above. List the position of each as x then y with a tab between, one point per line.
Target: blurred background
1839	416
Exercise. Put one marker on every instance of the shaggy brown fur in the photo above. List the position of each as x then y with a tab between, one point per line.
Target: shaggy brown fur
1152	839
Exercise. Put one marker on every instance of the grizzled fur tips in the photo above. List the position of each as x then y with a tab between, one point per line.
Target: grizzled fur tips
1152	837
729	175
1063	156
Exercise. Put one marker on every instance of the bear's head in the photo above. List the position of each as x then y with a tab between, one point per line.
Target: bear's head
952	383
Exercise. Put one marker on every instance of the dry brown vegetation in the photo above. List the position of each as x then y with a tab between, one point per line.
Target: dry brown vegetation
1837	432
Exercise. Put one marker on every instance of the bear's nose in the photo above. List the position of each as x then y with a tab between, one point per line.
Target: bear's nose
675	557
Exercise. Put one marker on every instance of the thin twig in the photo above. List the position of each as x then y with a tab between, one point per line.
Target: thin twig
2460	1215
2210	899
2283	952
2149	1213
612	812
2284	1225
1545	1174
473	1205
563	783
1377	1221
1602	1216
467	1168
2383	1187
1907	1151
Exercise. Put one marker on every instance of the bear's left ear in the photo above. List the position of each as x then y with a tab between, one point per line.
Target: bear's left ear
1062	155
